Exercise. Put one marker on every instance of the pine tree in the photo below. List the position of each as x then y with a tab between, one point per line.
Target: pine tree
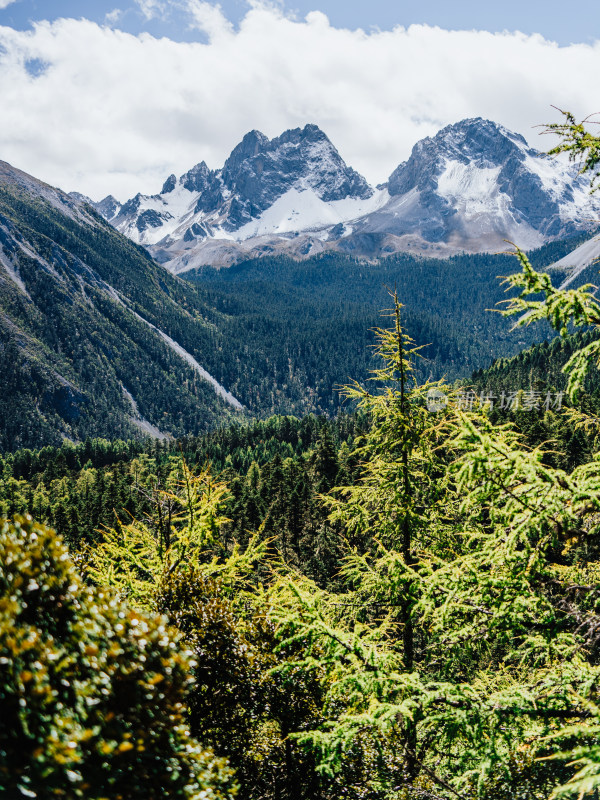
458	658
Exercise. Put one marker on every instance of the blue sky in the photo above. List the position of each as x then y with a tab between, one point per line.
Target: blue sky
111	97
554	20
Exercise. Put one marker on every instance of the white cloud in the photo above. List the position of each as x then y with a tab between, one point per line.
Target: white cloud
208	18
118	113
6	3
151	8
112	17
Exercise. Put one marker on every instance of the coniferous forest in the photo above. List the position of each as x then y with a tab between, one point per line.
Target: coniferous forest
399	600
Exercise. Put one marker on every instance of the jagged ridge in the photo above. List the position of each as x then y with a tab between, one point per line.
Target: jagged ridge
469	187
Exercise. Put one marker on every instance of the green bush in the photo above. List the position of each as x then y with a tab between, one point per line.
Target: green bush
91	693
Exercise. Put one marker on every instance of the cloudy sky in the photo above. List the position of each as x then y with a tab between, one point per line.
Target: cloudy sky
114	96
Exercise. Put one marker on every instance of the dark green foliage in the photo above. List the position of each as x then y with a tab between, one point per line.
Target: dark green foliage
314	319
540	366
540	369
250	700
236	704
275	468
92	693
224	704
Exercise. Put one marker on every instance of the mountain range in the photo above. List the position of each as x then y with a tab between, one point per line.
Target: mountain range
98	339
469	188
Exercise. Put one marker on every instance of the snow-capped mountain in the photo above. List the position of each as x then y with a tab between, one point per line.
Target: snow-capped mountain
470	187
476	184
297	181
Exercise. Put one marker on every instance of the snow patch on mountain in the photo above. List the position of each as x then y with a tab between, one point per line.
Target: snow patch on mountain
578	260
473	192
159	216
469	185
303	210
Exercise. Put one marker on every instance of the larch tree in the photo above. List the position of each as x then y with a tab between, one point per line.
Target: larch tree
462	658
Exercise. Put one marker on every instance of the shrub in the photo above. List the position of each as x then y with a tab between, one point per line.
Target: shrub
91	692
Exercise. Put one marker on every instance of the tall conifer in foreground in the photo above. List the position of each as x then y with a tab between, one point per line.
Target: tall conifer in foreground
463	658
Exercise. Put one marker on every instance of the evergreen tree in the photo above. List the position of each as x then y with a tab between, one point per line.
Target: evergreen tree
462	662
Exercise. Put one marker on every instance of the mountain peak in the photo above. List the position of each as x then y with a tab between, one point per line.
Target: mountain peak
109	207
169	184
259	171
313	131
252	144
309	133
480	137
195	179
477	141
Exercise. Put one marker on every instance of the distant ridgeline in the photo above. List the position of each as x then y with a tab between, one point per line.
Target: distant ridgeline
96	339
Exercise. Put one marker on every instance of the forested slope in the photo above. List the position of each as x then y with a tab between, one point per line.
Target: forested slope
313	319
78	303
